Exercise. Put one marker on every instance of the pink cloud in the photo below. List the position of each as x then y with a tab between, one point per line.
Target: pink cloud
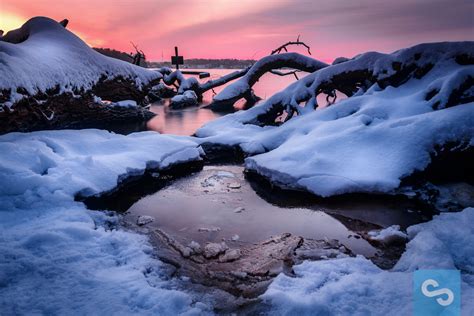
251	29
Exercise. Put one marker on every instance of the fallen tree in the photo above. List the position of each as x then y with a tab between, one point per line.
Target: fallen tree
404	112
372	71
242	88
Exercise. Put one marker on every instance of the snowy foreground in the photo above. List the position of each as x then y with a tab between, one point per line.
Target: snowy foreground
56	257
355	286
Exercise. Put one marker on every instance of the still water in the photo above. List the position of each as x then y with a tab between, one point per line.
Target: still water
221	204
187	121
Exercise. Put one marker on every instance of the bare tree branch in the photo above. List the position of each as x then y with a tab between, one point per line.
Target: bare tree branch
284	46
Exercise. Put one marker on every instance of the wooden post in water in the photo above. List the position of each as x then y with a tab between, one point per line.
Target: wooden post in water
176	59
179	60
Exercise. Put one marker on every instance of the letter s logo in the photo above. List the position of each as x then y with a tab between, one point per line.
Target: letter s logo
431	293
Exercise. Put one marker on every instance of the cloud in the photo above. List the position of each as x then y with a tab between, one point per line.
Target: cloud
241	29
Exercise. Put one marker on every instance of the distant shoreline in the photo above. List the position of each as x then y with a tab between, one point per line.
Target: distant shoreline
192	63
206	64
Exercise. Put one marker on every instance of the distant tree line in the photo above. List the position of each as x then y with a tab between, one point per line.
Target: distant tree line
204	63
128	57
195	63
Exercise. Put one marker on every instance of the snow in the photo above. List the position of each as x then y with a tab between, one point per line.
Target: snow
144	219
125	103
52	56
355	286
388	235
243	84
366	143
56	257
214	249
188	97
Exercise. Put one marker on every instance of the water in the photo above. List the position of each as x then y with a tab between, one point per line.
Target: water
187	121
218	203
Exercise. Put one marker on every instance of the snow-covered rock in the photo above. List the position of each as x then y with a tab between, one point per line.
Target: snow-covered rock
144	219
213	249
209	229
365	143
52	56
239	209
230	255
58	257
355	286
188	98
391	234
125	103
195	247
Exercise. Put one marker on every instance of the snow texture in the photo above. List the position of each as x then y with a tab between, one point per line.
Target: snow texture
188	98
56	257
388	235
125	103
52	55
366	143
244	84
355	286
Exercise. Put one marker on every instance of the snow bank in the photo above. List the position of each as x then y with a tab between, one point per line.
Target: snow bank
355	286
52	56
56	257
366	143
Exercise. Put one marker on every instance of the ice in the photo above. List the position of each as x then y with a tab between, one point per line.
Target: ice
144	219
213	249
239	209
391	234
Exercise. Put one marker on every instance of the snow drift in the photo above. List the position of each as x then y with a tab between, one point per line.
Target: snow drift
403	108
56	257
51	57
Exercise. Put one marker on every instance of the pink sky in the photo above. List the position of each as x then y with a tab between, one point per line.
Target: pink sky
252	28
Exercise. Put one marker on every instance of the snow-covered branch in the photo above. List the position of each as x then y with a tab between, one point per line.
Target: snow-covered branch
371	71
243	87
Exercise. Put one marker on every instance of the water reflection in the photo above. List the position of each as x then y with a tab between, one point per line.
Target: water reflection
187	121
178	122
223	204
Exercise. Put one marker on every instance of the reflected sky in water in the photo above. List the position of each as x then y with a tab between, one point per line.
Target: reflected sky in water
187	121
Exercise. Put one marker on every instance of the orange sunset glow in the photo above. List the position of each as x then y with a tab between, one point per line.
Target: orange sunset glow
250	29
